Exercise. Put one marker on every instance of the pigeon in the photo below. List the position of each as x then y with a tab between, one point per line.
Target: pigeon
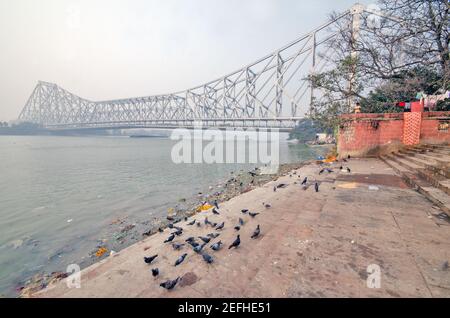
244	211
241	221
190	239
170	218
237	227
212	235
348	157
170	284
215	211
329	170
216	246
193	244
191	223
274	189
256	233
160	230
252	214
170	238
267	205
236	242
177	246
181	259
149	260
199	224
305	180
199	248
321	171
348	170
148	233
170	226
178	232
213	224
216	204
220	226
205	239
316	186
341	168
208	259
345	160
252	173
155	272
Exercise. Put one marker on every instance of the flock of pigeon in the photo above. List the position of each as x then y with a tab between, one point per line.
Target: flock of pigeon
199	243
199	246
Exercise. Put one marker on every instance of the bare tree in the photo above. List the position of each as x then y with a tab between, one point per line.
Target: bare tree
397	48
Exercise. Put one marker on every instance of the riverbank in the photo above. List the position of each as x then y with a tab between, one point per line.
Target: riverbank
127	233
312	244
125	230
88	193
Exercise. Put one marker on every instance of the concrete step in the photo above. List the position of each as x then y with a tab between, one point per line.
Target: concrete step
430	151
432	165
422	170
404	160
445	150
443	146
435	195
444	185
437	151
441	159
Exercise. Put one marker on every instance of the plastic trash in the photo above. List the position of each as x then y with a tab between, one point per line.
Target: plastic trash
204	207
100	251
330	159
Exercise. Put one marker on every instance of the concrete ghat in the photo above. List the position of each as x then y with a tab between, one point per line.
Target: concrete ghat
312	244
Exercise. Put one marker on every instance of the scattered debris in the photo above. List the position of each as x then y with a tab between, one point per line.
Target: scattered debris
101	251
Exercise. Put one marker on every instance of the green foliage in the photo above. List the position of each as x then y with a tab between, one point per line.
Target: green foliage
443	105
401	88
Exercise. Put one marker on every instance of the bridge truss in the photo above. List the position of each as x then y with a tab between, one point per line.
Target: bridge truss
271	92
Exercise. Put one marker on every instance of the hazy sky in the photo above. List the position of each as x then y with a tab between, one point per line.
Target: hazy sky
107	49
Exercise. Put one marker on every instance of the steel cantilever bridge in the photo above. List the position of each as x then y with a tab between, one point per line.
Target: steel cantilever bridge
271	92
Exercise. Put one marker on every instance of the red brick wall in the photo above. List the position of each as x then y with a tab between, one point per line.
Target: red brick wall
372	134
429	132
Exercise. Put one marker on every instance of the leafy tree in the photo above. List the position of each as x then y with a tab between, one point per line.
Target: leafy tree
403	52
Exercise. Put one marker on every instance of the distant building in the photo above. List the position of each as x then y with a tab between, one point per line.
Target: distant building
323	138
